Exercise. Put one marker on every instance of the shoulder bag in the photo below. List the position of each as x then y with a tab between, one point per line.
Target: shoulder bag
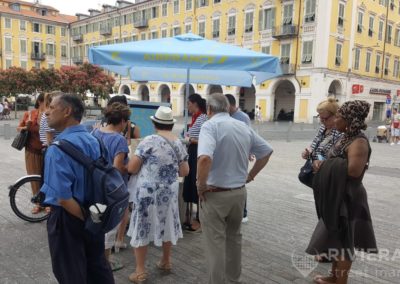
21	139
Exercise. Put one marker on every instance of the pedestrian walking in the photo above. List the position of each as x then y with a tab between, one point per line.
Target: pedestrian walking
395	127
345	220
77	256
222	172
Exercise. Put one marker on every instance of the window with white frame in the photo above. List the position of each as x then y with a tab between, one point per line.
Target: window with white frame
8	63
378	63
309	12
154	34
215	26
189	4
22	46
306	57
285	53
63	31
7	44
176	6
37	64
22	25
396	68
143	36
50	30
338	54
397	37
249	17
368	61
176	31
50	49
371	26
386	70
267	19
64	51
202	3
188	28
287	14
164	9
341	15
389	34
37	28
202	29
50	66
217	1
7	23
380	30
164	33
134	38
231	25
266	49
24	64
360	21
357	53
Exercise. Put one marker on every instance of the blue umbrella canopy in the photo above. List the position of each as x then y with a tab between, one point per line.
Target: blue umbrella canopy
186	58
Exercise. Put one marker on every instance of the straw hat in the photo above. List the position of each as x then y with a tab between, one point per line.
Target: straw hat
163	115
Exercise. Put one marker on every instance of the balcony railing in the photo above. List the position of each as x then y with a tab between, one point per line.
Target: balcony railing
77	60
77	38
140	24
287	68
284	31
105	31
38	56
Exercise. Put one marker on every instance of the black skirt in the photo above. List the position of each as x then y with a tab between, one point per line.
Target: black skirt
189	185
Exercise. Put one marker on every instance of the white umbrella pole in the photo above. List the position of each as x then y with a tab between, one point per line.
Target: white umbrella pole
185	101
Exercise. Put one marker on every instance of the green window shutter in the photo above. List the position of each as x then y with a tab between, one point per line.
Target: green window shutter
273	12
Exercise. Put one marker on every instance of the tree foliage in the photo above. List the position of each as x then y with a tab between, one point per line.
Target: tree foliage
69	79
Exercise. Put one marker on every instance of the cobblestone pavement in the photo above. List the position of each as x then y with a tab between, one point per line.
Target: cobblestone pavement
281	220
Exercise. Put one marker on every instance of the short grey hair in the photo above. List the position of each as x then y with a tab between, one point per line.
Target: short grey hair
217	103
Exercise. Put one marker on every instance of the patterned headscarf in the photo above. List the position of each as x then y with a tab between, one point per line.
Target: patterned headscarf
354	113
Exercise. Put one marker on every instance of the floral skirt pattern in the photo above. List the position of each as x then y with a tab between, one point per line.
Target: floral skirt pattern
155	216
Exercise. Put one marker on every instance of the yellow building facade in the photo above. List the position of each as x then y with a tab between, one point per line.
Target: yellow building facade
345	48
33	35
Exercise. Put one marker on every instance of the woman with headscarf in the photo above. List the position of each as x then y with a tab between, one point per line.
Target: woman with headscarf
344	217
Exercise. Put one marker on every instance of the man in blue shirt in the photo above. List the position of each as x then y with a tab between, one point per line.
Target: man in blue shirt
77	256
223	157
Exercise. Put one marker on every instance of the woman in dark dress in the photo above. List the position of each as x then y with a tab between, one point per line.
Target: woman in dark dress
344	217
197	107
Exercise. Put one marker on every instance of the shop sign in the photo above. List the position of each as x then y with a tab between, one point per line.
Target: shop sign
377	91
357	89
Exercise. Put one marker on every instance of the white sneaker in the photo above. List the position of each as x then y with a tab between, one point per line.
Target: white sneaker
391	144
245	220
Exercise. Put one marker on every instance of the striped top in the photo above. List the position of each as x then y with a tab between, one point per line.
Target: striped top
323	142
44	128
194	131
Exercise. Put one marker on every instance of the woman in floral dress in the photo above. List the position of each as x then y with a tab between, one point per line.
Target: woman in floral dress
158	161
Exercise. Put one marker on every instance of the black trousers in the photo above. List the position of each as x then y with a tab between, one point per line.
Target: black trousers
76	255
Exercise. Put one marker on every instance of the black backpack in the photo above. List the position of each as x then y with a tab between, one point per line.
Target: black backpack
104	185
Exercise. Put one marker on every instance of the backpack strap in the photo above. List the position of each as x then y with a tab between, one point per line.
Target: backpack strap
73	152
170	144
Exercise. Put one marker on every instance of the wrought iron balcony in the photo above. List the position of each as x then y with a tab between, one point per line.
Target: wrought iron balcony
38	56
285	31
141	24
77	38
287	68
105	30
77	60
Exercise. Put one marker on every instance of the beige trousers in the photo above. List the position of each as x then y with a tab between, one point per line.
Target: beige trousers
221	216
34	164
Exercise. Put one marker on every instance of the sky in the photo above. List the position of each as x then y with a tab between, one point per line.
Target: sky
71	7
